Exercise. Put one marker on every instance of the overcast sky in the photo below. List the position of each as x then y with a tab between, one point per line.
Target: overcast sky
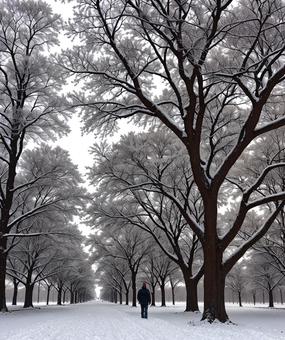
76	143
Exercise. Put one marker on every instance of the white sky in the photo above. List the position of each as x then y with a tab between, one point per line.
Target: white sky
76	142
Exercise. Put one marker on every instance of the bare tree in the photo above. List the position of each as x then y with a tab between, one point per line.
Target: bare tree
115	273
42	254
272	245
32	256
174	279
151	278
162	270
75	274
122	243
236	280
110	277
266	277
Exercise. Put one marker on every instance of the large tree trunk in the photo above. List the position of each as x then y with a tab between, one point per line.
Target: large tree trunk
3	264
214	286
214	276
5	214
191	296
162	290
15	292
270	298
134	289
191	293
29	295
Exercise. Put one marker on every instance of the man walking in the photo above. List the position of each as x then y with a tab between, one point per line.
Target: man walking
144	300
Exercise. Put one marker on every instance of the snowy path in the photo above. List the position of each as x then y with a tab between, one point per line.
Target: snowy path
103	321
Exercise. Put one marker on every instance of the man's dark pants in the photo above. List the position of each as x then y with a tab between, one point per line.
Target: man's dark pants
144	311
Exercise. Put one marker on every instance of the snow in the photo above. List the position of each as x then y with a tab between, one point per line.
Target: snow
105	321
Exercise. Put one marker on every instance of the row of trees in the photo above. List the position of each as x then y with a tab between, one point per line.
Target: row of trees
145	195
258	283
40	188
126	255
207	76
50	255
212	74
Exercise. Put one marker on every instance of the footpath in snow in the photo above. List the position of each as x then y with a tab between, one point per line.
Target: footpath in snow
104	321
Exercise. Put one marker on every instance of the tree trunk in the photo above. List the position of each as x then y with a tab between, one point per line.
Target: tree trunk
127	297
48	294
59	295
64	296
153	296
281	296
39	292
29	295
173	295
5	212
15	292
214	274
71	296
162	289
134	289
254	298
115	296
120	296
270	298
263	297
239	298
214	284
3	264
191	294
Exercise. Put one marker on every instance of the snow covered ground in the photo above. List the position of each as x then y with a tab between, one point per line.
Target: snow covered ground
104	321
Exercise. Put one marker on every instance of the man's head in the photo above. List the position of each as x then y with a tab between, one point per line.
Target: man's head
144	285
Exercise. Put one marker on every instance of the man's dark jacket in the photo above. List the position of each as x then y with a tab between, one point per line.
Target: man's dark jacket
144	296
